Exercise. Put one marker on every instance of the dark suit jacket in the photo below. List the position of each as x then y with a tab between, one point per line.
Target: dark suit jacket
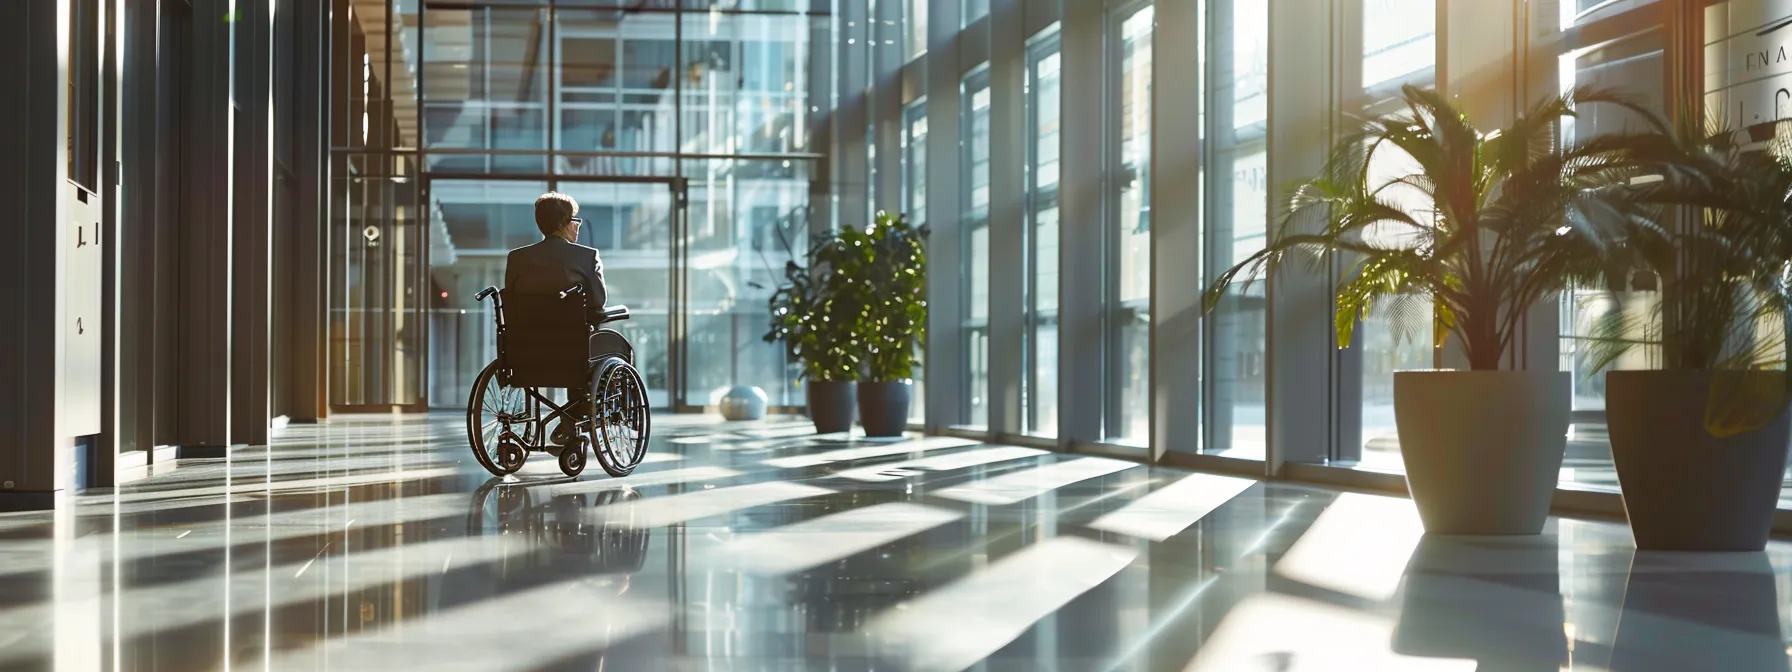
553	265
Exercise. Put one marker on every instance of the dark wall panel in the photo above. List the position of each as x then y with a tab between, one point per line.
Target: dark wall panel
30	182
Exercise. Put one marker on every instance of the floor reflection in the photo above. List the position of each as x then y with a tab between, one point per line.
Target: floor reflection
1686	611
562	525
1494	600
757	546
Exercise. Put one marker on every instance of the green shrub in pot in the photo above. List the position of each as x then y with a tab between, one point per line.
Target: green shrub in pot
883	268
816	324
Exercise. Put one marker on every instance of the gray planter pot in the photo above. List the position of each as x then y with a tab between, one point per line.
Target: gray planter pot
1684	489
883	407
1483	449
831	405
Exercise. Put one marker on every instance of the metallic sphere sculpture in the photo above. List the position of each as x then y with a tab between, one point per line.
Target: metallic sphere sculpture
744	402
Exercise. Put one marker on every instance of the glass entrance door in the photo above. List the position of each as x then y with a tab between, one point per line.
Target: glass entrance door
475	222
632	225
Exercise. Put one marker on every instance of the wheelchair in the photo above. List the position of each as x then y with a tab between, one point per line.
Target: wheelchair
544	342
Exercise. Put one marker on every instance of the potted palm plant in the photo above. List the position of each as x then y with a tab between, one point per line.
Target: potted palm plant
884	271
1487	225
1700	444
814	321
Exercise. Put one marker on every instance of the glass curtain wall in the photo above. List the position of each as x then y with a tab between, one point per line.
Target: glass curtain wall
1399	47
476	222
485	93
915	27
745	220
974	10
1234	222
1129	230
1627	45
687	135
914	162
1636	65
1039	385
376	313
974	146
631	223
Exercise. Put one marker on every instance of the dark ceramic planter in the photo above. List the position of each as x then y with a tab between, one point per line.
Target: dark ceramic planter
1684	489
831	405
883	407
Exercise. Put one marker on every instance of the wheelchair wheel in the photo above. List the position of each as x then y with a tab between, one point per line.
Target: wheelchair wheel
622	419
495	414
572	458
511	457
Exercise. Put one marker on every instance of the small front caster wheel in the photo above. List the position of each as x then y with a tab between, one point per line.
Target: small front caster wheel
572	457
511	457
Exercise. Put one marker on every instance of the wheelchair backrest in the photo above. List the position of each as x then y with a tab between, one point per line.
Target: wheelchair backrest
545	340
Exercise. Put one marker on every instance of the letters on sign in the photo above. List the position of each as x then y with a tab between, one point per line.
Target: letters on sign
1748	54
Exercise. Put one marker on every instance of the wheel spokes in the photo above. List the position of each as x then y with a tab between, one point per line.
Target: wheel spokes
501	408
626	419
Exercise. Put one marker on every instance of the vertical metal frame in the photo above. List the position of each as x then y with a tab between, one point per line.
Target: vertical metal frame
889	50
1176	340
311	65
551	113
35	447
1081	248
1009	270
1303	102
133	413
251	213
1107	130
944	363
676	329
1539	344
207	240
1216	226
1114	313
907	204
110	174
678	343
1034	47
848	151
967	227
1347	373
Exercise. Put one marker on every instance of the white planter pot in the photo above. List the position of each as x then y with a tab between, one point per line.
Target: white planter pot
1483	449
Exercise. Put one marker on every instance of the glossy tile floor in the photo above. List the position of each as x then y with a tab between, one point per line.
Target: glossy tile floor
380	544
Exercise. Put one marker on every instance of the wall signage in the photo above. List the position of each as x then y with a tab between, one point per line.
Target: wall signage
1748	61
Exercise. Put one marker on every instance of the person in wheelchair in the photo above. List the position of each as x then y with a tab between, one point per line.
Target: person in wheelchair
559	261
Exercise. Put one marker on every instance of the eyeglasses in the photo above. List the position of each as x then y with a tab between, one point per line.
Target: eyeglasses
577	220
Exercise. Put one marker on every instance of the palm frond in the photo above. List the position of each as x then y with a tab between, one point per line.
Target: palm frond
1480	225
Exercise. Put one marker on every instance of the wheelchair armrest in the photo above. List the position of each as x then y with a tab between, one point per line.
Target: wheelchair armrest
615	313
